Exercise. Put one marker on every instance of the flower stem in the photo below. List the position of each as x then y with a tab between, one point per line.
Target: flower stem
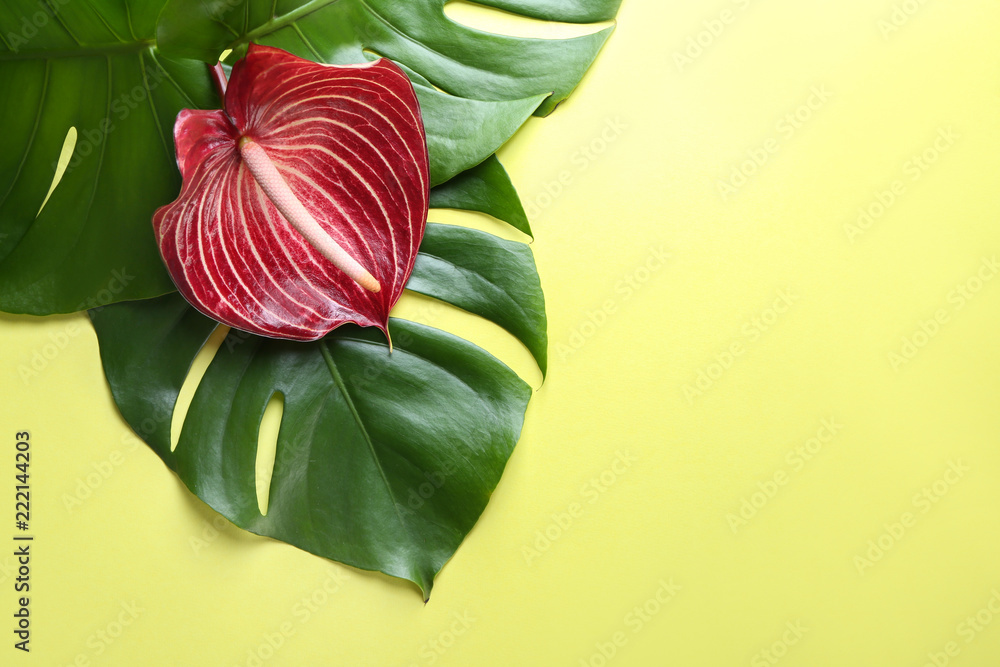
219	79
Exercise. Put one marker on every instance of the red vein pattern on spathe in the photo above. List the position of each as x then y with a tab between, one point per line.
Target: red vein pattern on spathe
350	144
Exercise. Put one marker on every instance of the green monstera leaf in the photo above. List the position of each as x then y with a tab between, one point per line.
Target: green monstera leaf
485	188
119	72
384	461
93	67
461	61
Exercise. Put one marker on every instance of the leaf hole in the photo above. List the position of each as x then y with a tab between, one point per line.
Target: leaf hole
473	328
267	448
198	368
498	21
65	154
477	220
417	78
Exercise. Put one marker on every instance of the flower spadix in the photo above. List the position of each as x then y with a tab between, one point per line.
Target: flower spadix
304	200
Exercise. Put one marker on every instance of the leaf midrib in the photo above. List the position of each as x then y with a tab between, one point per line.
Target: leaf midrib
480	277
284	21
339	382
116	48
125	47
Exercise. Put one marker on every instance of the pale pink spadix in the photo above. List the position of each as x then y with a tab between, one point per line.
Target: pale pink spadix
277	190
304	200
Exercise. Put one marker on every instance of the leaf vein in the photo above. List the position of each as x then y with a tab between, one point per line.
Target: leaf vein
34	132
152	108
339	381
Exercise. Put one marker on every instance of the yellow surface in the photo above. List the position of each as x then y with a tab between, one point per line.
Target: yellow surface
793	575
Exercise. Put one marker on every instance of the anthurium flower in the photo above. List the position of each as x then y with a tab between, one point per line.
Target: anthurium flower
304	199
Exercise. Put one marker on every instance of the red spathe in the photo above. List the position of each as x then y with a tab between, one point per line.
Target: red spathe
350	144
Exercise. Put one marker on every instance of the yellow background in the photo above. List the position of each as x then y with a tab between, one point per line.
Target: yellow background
661	136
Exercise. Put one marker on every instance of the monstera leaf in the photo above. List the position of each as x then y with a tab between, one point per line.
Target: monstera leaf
119	73
485	188
383	461
90	66
461	61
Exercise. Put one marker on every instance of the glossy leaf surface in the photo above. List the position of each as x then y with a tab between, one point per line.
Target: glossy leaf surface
485	188
383	461
95	69
461	61
100	69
